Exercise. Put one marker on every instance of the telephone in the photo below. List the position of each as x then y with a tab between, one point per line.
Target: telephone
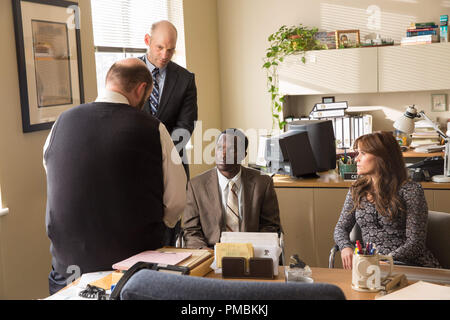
425	169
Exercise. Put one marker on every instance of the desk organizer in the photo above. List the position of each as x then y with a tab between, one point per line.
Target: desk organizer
234	267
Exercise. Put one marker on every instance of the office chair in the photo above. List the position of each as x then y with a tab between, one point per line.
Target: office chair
355	234
155	285
438	238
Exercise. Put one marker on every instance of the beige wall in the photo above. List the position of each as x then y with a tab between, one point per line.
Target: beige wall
25	259
244	26
202	58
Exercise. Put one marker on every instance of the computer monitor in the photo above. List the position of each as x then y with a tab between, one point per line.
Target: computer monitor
306	148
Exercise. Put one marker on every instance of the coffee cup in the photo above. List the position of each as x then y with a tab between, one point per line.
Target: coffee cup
366	274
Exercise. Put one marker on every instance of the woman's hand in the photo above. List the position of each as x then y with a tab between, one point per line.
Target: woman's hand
347	257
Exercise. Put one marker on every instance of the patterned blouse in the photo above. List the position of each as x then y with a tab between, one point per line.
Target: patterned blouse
403	237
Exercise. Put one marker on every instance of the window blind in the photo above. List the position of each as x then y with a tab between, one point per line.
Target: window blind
124	23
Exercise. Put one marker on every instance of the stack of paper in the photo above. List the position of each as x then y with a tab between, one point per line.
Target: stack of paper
265	244
171	258
424	135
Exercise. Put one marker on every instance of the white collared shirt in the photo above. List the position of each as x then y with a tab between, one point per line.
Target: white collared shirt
160	79
224	190
174	176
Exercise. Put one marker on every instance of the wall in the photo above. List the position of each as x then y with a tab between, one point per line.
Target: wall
245	25
25	259
202	58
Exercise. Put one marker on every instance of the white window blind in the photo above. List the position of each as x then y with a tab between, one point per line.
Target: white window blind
120	27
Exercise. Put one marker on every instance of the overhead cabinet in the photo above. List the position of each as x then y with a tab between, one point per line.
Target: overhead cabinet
367	70
330	71
414	68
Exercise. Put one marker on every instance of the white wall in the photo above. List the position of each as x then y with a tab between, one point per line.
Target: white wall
25	259
244	26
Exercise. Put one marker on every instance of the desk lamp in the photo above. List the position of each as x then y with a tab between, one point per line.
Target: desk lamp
406	124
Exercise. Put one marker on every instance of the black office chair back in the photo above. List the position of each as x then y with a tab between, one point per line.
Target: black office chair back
438	236
155	285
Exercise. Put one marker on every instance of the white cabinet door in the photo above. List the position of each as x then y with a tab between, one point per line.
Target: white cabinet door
330	71
414	68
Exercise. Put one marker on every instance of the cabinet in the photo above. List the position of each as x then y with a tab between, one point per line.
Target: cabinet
330	71
367	70
414	68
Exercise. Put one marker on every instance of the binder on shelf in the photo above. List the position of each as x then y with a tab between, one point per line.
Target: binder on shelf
330	106
327	113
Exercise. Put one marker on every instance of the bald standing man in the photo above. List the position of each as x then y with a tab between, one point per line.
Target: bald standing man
114	178
174	96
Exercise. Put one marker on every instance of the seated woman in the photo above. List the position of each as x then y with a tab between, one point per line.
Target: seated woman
390	209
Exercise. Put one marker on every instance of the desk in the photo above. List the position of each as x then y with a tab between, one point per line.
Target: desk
310	209
343	278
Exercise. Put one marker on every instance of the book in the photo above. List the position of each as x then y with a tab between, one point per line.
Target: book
330	106
327	113
198	263
429	38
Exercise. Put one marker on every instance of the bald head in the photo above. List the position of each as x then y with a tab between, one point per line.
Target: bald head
127	73
164	26
161	43
131	78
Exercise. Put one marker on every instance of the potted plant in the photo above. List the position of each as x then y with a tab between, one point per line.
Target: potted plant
284	42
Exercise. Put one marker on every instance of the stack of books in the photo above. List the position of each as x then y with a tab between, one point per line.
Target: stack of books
444	28
424	135
421	33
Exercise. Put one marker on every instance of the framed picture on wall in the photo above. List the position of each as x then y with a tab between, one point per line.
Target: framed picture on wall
49	60
347	38
439	102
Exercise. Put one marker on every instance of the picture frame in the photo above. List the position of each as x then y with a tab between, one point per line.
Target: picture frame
347	38
439	102
47	35
328	99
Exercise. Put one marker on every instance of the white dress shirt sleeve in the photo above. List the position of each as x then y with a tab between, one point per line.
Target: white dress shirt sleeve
174	197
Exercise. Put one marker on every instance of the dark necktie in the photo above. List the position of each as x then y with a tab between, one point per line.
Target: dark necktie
154	97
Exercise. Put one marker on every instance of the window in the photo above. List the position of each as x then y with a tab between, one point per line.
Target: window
120	27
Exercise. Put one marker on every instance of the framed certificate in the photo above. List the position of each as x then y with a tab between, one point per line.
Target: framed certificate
49	60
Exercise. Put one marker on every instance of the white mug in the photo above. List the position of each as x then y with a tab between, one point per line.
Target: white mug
366	274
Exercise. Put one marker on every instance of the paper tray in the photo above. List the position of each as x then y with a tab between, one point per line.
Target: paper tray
234	267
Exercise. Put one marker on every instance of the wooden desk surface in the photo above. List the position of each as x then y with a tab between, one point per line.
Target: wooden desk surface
343	278
334	181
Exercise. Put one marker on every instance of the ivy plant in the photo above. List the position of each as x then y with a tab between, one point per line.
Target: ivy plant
284	42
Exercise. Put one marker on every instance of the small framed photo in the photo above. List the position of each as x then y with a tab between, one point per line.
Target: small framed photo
439	102
327	99
49	60
347	38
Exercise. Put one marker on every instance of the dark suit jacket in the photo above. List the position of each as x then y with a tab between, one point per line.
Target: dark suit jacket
178	105
202	219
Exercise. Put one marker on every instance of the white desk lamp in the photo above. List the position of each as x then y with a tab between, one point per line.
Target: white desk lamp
406	124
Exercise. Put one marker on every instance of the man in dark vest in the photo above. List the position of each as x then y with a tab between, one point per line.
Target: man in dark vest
114	178
174	96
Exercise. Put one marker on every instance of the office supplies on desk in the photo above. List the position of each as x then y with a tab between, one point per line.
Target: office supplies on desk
366	273
298	271
199	263
265	244
170	258
420	291
235	267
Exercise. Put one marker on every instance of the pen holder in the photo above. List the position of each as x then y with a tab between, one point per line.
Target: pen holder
366	274
346	168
